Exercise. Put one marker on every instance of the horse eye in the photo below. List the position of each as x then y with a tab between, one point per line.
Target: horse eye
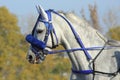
39	31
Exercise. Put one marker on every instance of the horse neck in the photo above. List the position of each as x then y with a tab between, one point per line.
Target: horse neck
78	59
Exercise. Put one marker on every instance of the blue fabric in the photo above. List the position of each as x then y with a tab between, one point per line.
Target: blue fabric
33	41
82	71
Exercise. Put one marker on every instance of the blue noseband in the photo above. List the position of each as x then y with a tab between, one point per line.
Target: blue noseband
35	42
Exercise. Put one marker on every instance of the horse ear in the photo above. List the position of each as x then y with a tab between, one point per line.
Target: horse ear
43	13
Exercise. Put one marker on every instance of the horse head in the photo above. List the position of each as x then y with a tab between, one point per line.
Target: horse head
42	39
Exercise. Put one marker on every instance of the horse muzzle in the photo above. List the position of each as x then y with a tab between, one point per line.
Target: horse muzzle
36	54
35	58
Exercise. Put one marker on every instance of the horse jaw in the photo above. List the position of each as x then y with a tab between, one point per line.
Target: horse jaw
43	13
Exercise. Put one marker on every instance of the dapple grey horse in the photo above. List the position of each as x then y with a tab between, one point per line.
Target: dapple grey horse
103	64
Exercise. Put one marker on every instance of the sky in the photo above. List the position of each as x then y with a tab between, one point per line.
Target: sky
21	7
24	7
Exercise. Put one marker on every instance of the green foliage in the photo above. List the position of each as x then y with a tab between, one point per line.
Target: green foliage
13	48
114	33
61	67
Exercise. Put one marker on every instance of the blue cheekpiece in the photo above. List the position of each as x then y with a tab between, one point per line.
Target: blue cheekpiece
35	42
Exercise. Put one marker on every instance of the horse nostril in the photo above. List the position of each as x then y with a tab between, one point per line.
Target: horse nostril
30	57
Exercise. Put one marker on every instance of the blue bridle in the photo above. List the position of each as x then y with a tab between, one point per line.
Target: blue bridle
50	28
40	45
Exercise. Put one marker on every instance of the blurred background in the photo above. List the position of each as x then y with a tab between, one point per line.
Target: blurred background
17	19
